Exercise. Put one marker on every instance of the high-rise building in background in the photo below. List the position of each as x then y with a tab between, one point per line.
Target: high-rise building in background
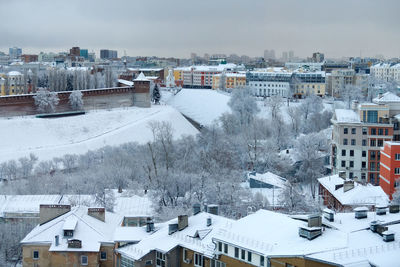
291	55
108	54
84	53
318	57
75	51
15	52
269	54
285	56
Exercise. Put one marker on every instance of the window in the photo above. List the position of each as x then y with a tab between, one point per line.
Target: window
372	116
372	155
226	248
148	263
185	256
363	176
364	142
215	263
351	175
380	131
351	153
386	132
363	164
261	260
249	256
380	142
343	152
372	178
220	246
343	163
372	166
364	131
236	252
160	259
36	254
103	255
397	156
351	164
397	171
364	154
353	130
84	260
345	130
125	262
353	142
198	260
373	131
243	254
372	142
345	141
68	232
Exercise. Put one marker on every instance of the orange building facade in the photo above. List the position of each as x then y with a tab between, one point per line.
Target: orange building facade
389	173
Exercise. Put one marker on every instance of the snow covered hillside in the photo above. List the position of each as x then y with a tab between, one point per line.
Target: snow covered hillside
201	105
48	138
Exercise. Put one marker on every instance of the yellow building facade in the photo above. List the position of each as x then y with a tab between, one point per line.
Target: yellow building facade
232	80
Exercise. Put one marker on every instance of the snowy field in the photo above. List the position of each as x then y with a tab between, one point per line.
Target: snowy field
202	105
48	138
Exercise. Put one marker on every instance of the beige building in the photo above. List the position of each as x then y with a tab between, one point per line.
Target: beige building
232	80
308	83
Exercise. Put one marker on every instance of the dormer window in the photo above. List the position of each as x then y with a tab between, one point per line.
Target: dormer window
68	233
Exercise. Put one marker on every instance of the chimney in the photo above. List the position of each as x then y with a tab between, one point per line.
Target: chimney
348	185
172	228
196	208
213	209
209	221
120	189
50	212
149	225
314	220
98	213
182	222
57	240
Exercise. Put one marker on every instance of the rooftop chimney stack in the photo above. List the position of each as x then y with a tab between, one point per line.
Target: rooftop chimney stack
182	222
348	185
98	213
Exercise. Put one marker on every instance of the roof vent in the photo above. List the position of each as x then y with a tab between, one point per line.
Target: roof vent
329	215
380	209
394	208
149	225
57	240
388	236
310	232
348	185
196	208
98	213
209	221
172	228
213	209
361	212
314	220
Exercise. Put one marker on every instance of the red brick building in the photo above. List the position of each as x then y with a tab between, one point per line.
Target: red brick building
390	167
29	58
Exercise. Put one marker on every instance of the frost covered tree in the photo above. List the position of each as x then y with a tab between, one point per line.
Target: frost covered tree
350	93
243	105
156	94
75	100
274	103
46	101
222	81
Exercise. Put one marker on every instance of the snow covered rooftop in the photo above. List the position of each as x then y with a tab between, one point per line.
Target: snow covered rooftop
141	77
89	230
14	73
359	195
387	97
203	106
346	116
269	178
125	82
25	203
196	236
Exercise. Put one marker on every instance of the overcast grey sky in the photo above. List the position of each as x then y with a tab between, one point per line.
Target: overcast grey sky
178	27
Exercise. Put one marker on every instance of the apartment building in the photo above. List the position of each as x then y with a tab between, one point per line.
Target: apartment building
357	138
338	80
271	81
386	72
232	80
202	76
307	83
390	167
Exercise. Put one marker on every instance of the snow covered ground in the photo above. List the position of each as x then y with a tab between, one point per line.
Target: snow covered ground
202	105
48	138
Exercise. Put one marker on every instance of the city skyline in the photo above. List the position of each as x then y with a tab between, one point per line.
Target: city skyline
177	28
